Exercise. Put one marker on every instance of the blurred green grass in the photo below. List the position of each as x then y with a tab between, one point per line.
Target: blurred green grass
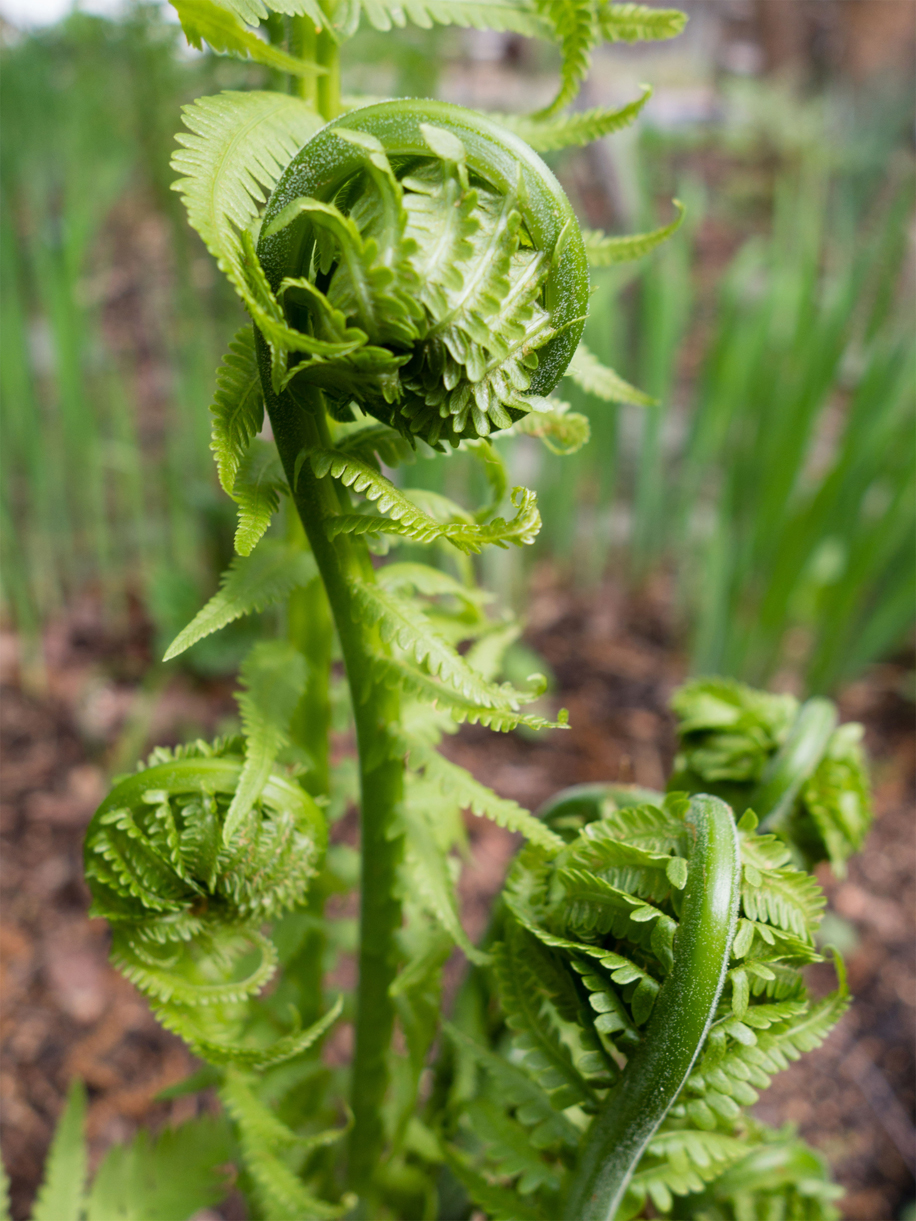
773	484
109	333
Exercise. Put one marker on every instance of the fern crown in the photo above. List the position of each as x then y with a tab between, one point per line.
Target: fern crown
444	247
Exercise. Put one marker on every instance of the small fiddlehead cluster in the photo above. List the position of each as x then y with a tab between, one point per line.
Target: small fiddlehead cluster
802	773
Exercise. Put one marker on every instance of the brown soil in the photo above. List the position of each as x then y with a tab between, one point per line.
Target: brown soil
66	1013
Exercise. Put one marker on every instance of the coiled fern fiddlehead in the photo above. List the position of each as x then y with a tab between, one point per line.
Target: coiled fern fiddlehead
650	984
186	892
452	248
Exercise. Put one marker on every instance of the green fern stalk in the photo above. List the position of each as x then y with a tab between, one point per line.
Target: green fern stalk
793	763
344	564
681	1018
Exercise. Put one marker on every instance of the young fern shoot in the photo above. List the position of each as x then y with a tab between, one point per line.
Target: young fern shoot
416	278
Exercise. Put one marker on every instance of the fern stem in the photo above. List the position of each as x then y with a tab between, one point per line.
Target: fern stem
310	629
793	763
375	708
329	86
680	1020
303	44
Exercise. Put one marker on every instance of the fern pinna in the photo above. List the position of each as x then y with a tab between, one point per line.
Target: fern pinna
416	280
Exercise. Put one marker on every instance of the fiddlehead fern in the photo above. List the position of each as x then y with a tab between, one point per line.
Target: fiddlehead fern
664	939
187	901
682	1013
422	265
804	776
445	251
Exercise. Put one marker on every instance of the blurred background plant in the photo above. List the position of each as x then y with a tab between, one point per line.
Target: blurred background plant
771	483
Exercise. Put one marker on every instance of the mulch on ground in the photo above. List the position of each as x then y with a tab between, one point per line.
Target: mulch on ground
66	1012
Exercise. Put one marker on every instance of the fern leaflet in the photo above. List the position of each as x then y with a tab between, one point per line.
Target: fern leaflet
470	794
218	24
263	1139
572	130
498	1203
638	22
255	11
509	1147
401	622
543	1054
254	1059
237	148
603	250
788	898
516	16
237	408
274	675
176	1174
258	485
680	1162
412	681
574	27
588	372
534	1107
248	586
429	878
61	1195
563	431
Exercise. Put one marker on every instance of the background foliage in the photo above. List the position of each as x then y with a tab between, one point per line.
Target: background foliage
789	356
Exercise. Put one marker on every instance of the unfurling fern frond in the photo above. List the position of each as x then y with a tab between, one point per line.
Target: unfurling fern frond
464	236
605	950
187	885
804	777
